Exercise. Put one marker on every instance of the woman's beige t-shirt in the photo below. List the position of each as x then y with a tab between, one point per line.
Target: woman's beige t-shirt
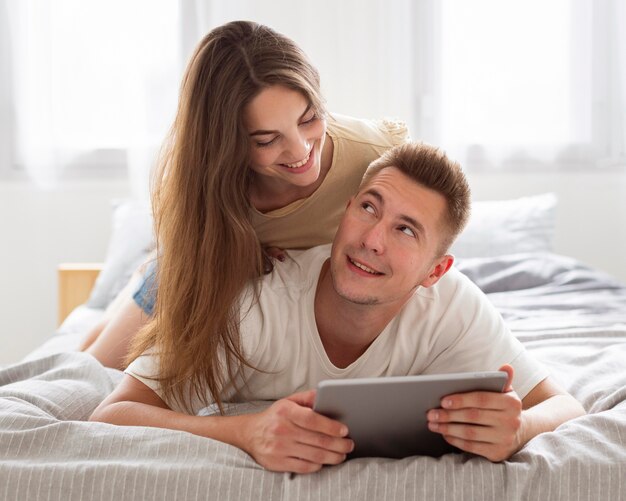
314	220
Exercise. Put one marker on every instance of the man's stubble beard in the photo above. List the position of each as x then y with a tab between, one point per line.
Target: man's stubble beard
361	301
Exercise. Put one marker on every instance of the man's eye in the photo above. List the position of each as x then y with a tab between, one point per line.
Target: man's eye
368	207
407	231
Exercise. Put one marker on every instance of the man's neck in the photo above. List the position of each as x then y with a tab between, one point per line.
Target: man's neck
347	329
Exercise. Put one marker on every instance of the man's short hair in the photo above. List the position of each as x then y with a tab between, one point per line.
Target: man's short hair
430	167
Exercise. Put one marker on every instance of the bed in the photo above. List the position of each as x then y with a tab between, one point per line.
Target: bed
570	316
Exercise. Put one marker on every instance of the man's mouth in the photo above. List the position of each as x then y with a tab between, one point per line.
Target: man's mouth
364	267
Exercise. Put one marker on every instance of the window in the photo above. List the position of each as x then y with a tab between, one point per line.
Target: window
514	84
526	84
92	81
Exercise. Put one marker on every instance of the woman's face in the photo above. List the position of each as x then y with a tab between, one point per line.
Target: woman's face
286	138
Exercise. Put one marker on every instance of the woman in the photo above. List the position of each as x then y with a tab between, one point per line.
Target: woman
252	160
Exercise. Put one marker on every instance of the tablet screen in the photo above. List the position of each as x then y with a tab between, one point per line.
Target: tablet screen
386	417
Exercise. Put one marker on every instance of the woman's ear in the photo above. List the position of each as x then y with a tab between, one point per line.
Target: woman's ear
440	268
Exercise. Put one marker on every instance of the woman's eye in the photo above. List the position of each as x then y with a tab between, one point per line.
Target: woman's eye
407	231
266	143
309	120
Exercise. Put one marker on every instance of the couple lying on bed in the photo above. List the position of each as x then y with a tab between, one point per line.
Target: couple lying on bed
383	300
268	164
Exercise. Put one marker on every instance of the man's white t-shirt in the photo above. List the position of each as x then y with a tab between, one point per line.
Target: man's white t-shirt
449	327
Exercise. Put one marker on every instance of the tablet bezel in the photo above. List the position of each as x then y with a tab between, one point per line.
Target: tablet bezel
386	416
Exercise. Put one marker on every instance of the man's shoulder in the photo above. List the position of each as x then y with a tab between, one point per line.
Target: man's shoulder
453	302
281	293
452	284
453	296
300	270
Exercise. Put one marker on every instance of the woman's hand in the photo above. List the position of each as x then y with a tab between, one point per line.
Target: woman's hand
269	254
290	436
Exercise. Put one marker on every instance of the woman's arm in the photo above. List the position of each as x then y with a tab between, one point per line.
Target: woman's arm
109	340
110	345
288	436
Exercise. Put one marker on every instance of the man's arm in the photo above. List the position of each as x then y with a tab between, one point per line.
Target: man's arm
496	425
288	436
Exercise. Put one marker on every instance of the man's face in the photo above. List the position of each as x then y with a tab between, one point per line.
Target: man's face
388	241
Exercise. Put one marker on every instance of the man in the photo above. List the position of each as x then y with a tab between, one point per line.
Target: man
386	303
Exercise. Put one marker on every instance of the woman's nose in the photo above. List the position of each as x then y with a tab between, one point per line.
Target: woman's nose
299	148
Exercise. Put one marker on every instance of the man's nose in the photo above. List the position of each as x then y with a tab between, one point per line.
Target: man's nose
374	238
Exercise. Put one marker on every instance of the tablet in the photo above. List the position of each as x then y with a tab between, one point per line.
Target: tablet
386	416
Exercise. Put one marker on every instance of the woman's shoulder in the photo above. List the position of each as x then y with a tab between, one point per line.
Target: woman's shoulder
384	132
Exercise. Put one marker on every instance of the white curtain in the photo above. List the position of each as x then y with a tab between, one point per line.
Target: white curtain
362	48
7	110
513	84
93	85
529	84
617	17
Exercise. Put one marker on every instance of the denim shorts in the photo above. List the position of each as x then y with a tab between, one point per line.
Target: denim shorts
145	295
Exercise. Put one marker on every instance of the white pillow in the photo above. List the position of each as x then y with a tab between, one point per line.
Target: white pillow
502	227
131	241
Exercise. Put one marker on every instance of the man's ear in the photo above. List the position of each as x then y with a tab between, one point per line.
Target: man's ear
440	268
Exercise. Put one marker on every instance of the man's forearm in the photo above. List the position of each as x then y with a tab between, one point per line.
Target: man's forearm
288	436
548	415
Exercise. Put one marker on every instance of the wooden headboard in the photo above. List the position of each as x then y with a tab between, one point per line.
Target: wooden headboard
75	282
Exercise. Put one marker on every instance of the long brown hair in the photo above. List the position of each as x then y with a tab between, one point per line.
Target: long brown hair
207	247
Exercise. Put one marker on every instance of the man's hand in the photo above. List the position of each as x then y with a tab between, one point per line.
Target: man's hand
485	423
290	436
